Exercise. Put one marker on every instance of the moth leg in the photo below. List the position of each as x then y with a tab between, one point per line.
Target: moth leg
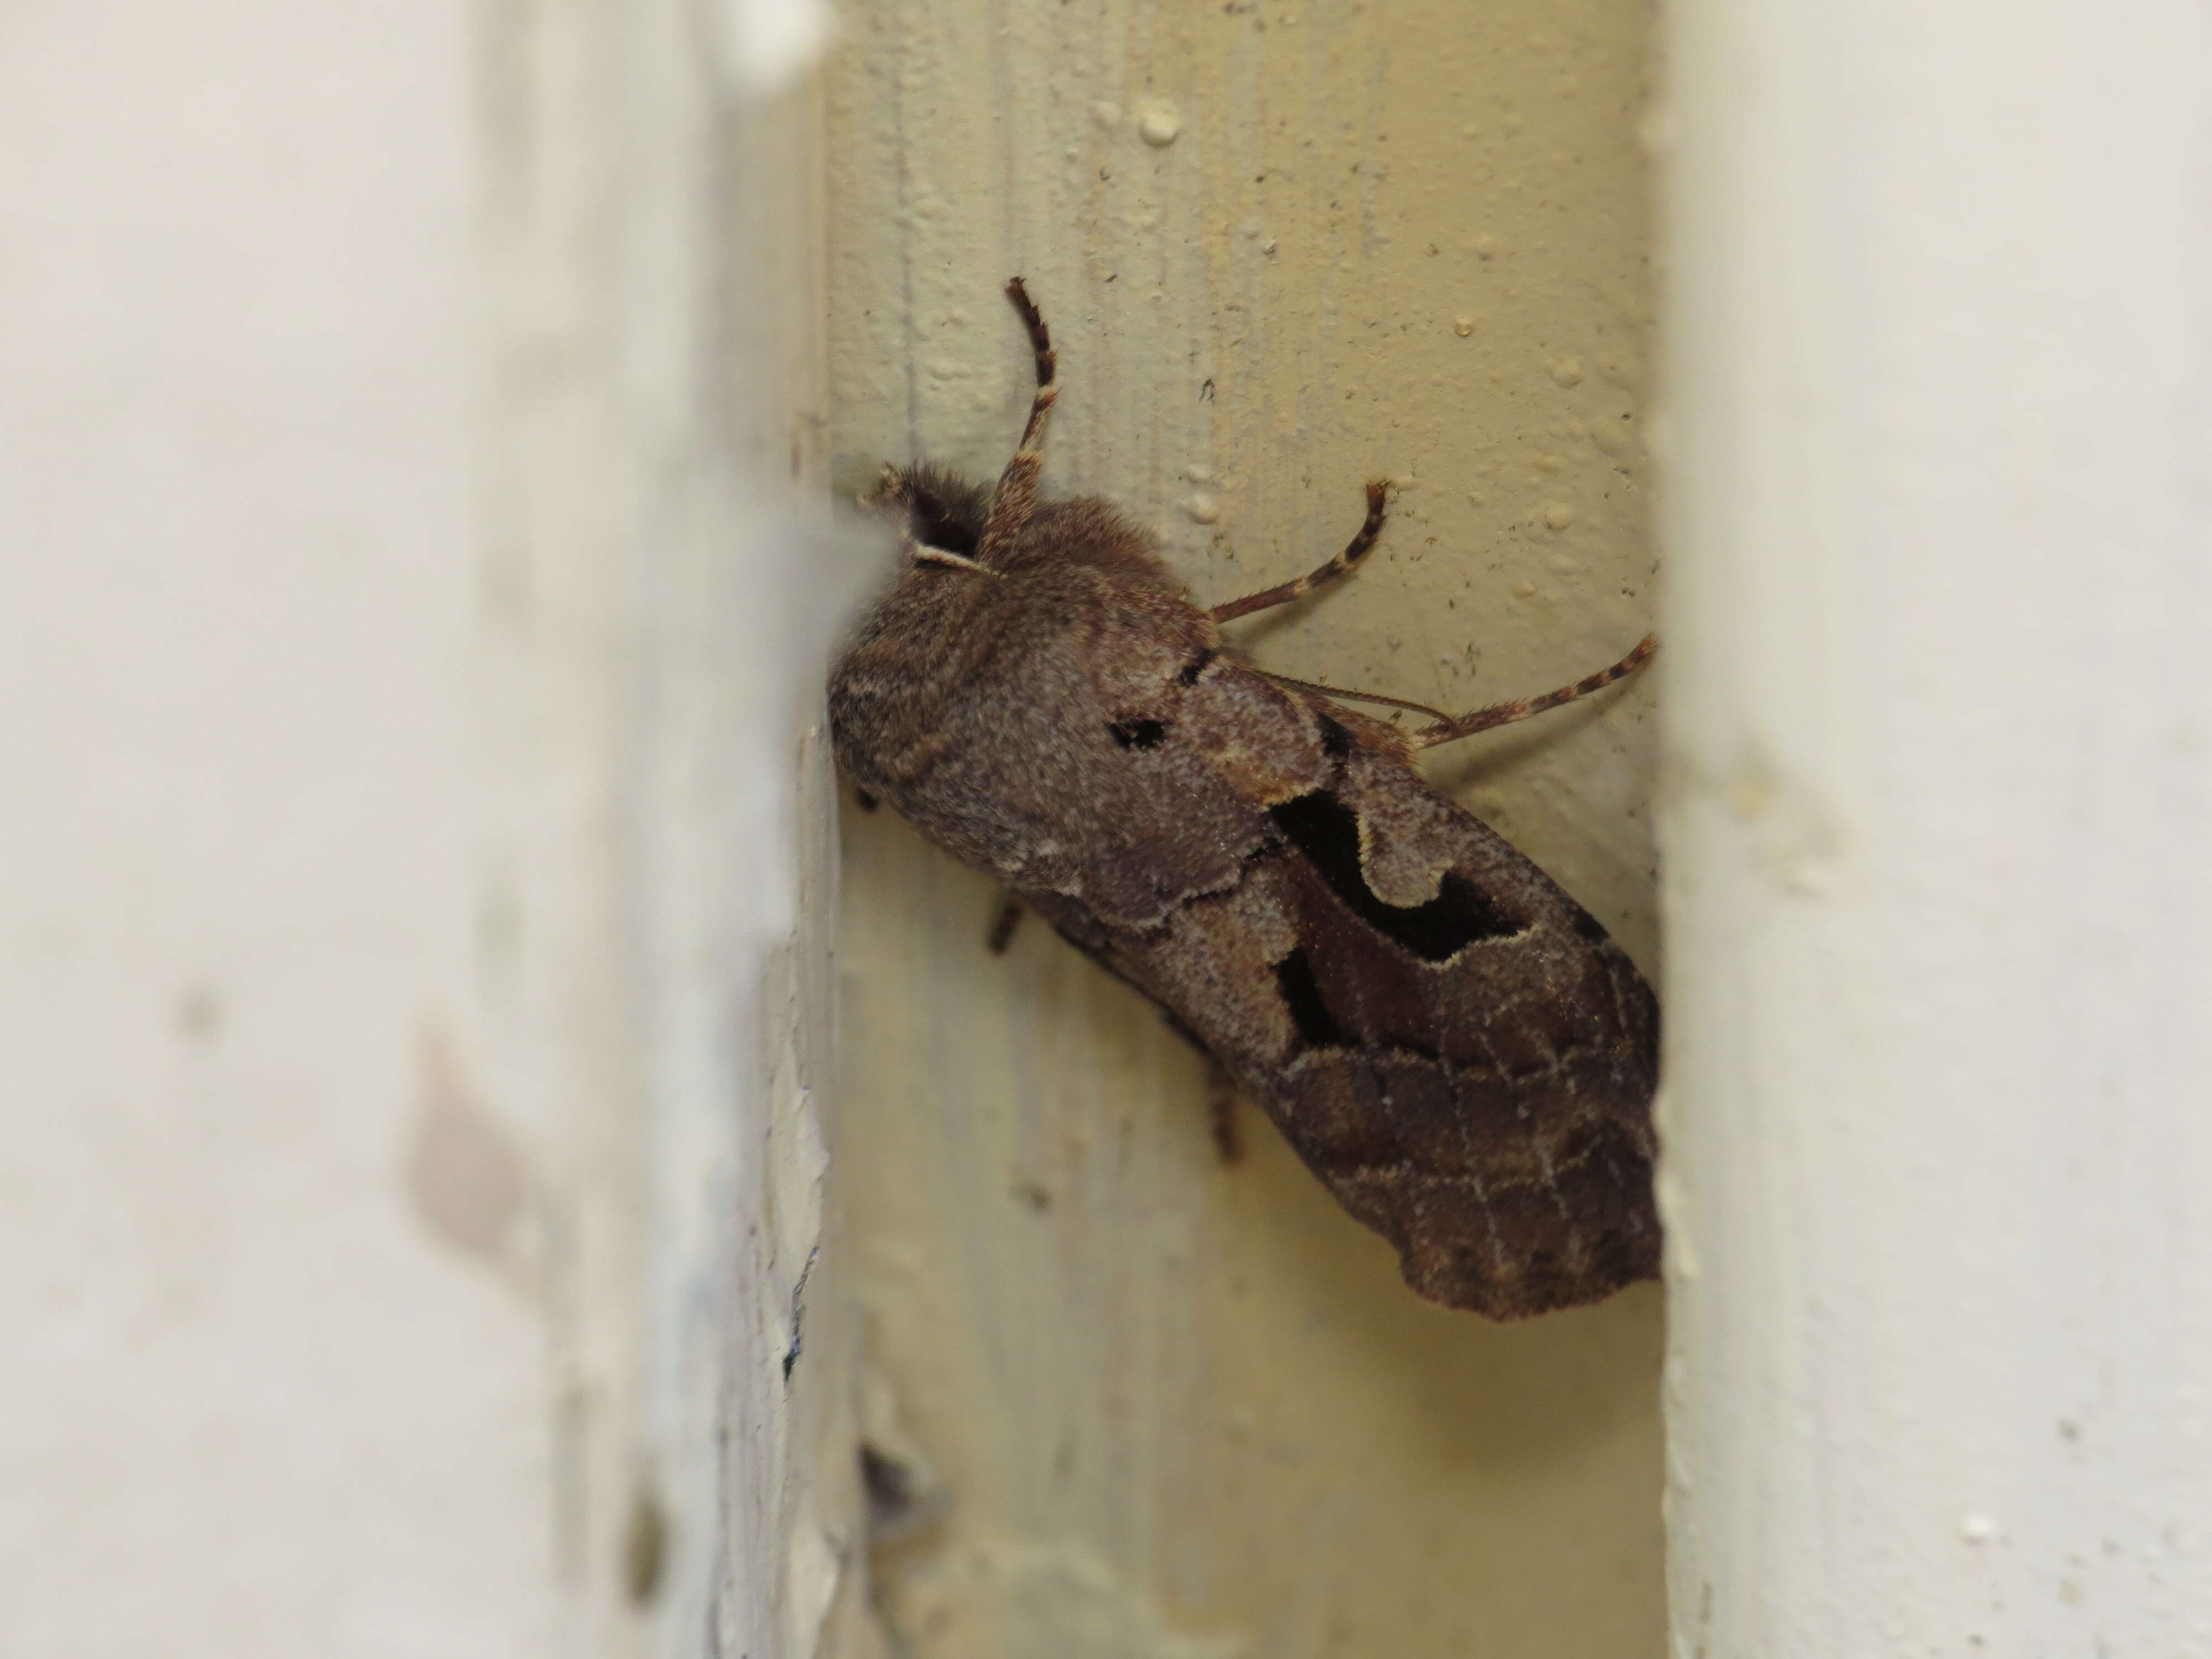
1224	1138
1320	690
1015	498
1003	923
1378	492
1221	1114
1504	713
1220	1095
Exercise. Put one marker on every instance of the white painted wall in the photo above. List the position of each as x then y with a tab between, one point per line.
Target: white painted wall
1939	529
408	1074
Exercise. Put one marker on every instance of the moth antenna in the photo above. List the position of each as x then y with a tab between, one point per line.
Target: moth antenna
1504	713
1015	498
1378	496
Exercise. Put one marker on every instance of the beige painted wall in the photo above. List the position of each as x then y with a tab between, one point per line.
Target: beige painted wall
1157	1405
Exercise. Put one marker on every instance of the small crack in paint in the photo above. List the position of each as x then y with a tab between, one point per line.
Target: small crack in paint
799	1315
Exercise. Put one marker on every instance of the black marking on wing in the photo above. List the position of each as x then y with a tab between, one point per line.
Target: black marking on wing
1138	733
1327	831
1335	741
1188	673
1317	1027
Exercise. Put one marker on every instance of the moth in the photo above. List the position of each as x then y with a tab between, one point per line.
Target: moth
1449	1042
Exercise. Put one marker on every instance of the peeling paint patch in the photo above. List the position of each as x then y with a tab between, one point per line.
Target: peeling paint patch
466	1177
798	1344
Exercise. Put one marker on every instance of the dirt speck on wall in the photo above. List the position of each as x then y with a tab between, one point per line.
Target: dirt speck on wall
1171	1407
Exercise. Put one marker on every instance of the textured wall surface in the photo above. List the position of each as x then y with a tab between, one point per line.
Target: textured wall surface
1150	1404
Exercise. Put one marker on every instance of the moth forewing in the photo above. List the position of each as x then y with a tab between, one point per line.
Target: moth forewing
1451	1042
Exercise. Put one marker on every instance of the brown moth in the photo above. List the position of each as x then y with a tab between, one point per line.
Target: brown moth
1447	1039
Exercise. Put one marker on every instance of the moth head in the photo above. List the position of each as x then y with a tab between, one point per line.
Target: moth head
912	553
938	514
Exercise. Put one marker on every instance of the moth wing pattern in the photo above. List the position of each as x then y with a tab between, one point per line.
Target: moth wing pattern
1445	1037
